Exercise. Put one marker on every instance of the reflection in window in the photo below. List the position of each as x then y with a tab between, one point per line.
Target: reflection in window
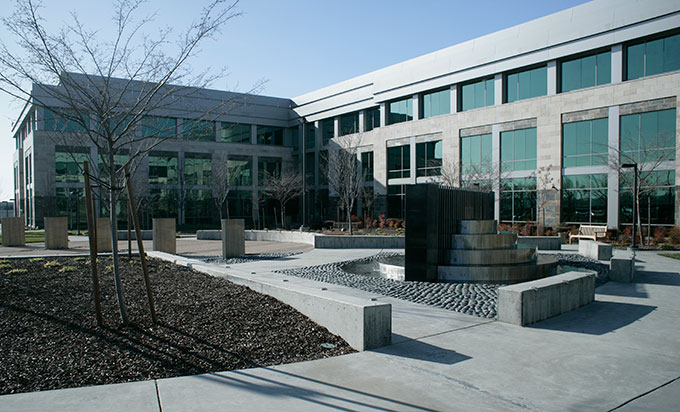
268	166
399	162
161	127
657	197
198	130
327	131
371	119
585	143
235	132
163	203
367	166
653	57
477	94
400	111
197	169
68	164
198	206
475	154
270	135
65	121
242	170
584	199
518	200
648	137
436	103
518	150
163	168
310	136
586	71
396	201
429	158
349	124
526	84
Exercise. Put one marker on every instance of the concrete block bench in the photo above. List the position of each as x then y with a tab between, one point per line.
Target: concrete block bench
622	269
530	302
595	250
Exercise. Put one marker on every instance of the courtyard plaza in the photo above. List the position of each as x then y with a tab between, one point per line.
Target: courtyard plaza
621	352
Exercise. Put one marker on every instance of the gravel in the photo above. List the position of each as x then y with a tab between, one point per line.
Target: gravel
49	338
477	299
255	257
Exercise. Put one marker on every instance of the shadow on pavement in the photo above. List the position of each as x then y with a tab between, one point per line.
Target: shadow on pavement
415	349
597	318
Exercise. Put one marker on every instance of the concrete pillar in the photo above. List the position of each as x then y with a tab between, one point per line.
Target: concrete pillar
233	238
218	131
181	187
362	121
383	114
253	134
416	107
552	77
336	126
13	231
454	98
496	164
498	89
617	63
164	235
103	234
56	233
412	156
613	174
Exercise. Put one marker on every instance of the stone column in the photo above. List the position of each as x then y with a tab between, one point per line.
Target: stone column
362	121
416	107
336	126
103	234
13	231
454	98
233	238
412	156
496	163
612	173
383	114
164	235
498	89
617	63
56	233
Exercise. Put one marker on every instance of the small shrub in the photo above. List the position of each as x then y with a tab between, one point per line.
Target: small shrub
67	269
4	261
674	235
36	259
17	272
403	224
80	259
4	266
666	246
659	235
109	268
382	224
52	263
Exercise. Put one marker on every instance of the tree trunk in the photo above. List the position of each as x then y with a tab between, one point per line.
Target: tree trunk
122	307
283	215
349	217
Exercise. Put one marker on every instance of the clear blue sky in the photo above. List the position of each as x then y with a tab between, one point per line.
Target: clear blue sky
299	46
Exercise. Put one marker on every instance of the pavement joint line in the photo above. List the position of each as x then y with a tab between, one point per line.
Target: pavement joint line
445	332
644	394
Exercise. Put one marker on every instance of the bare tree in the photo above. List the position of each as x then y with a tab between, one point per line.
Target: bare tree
345	177
283	188
225	176
544	182
103	90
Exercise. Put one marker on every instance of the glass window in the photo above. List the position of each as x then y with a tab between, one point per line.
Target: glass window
197	169
162	127
399	162
585	143
371	119
584	199
657	197
586	71
295	137
119	161
435	103
235	132
475	154
653	57
163	203
310	136
70	202
477	94
396	201
68	164
198	206
198	130
349	123
240	204
367	166
526	84
65	121
270	135
242	169
327	131
268	166
310	166
429	158
648	137
518	200
400	111
518	149
163	168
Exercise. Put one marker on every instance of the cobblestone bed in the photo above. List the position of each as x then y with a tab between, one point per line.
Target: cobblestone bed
245	259
477	299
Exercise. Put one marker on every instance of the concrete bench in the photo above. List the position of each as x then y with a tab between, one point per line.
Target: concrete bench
595	250
592	232
530	302
622	269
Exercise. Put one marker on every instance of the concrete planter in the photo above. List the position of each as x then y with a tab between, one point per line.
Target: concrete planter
165	235
542	242
594	250
103	234
233	238
56	233
13	231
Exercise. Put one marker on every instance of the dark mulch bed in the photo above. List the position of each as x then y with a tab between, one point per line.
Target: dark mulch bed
49	338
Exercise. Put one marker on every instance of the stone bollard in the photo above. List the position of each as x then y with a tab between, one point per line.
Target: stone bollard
103	235
622	269
233	238
13	231
164	235
56	233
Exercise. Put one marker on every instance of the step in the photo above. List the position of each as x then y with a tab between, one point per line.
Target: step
507	274
489	257
472	227
484	241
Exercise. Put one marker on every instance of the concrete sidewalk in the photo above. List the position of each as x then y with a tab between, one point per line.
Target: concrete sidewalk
624	349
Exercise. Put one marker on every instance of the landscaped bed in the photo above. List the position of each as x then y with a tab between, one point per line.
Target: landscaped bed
49	338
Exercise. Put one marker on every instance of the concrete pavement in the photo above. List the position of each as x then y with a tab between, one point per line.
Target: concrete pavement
623	350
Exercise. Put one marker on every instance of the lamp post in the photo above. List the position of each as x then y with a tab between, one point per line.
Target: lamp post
634	166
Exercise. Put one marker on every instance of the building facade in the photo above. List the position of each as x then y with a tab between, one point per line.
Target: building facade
544	114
